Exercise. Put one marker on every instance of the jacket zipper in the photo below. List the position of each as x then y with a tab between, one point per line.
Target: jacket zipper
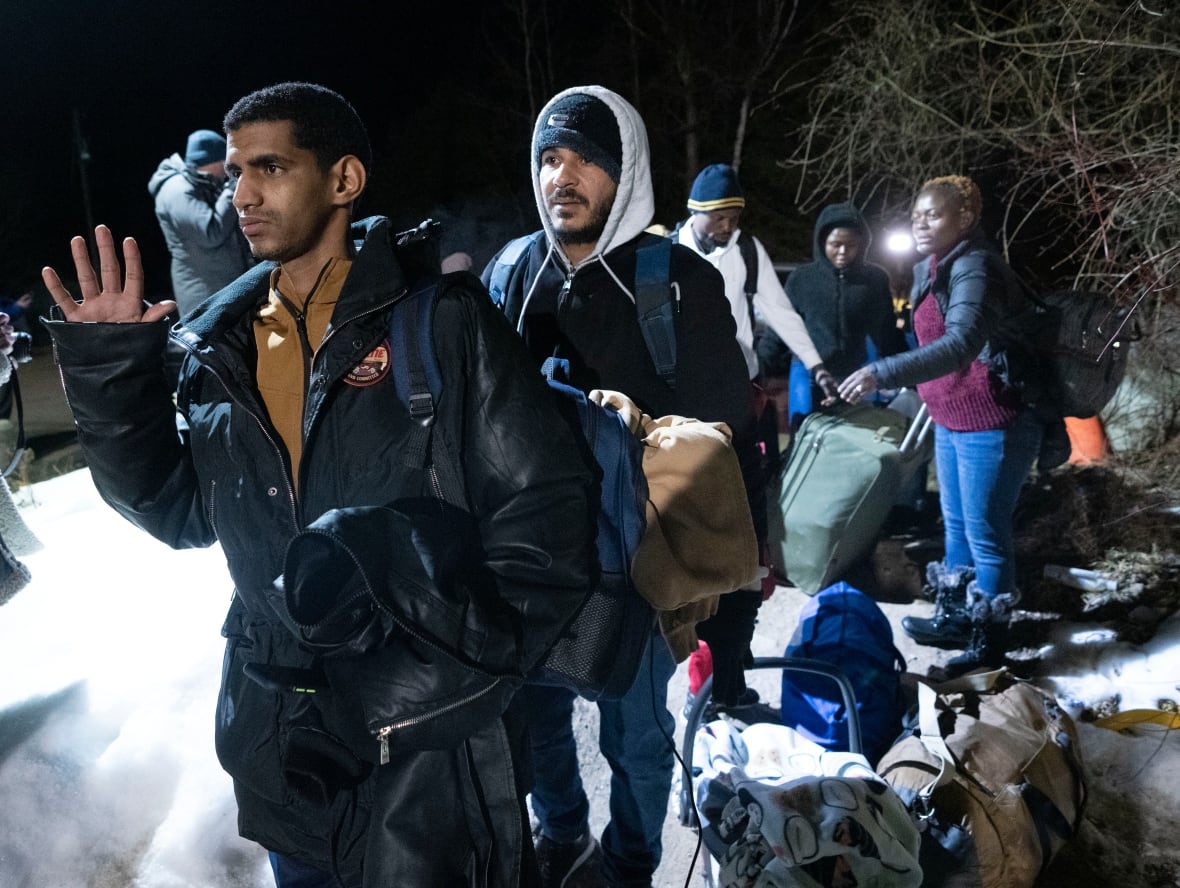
383	734
563	295
435	482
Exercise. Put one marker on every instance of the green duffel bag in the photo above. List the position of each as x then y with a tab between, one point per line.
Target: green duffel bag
842	477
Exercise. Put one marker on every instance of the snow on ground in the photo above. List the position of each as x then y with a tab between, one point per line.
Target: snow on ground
109	666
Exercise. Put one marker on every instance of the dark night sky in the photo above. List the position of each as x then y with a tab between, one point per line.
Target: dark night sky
140	75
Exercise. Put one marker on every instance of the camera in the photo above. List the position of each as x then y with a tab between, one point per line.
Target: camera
22	348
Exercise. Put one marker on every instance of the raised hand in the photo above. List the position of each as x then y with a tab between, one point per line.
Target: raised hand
114	299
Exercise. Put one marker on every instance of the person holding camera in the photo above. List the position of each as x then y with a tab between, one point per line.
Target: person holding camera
16	347
193	199
15	537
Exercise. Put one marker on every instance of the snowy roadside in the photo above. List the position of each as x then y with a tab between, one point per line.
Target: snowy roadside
111	659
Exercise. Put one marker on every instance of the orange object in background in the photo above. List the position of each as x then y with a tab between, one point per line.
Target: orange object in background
1088	441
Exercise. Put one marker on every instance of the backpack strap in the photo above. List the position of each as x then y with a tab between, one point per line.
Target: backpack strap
415	370
505	262
749	251
418	382
655	306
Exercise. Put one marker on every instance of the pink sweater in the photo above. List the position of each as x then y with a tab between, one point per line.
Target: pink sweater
970	399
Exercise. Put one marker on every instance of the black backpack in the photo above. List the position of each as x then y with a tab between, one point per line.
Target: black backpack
600	651
1065	351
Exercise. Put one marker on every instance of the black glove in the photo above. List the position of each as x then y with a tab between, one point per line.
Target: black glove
728	633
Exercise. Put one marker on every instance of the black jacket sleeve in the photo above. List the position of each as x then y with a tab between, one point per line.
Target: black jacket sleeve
976	293
121	398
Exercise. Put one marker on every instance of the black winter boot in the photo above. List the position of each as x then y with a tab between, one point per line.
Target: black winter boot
950	627
989	635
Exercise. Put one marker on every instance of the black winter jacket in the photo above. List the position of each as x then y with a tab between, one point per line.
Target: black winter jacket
588	319
442	685
975	290
840	307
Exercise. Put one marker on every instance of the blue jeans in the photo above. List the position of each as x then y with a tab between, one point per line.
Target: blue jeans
980	475
290	873
633	736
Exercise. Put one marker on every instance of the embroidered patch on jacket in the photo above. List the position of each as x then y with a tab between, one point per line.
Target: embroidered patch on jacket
373	369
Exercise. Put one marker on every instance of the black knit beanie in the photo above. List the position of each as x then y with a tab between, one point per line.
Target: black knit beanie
716	188
582	123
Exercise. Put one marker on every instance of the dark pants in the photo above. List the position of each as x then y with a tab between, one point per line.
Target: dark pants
290	873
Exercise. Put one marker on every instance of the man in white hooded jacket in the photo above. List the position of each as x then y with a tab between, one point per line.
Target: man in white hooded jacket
715	202
571	295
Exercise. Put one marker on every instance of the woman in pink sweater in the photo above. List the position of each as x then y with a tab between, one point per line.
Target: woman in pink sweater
986	440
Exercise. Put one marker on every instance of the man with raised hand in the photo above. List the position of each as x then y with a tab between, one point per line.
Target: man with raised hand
296	460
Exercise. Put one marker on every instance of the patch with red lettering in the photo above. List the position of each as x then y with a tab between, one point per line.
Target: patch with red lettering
374	368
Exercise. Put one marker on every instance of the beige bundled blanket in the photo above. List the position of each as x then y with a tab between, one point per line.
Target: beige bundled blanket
700	540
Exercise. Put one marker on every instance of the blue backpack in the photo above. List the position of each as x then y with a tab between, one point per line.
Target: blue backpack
601	651
843	626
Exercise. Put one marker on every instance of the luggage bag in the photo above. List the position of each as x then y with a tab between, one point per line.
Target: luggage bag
992	765
842	477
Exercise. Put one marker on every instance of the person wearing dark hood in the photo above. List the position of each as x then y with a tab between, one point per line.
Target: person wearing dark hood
194	206
986	440
845	302
570	296
376	636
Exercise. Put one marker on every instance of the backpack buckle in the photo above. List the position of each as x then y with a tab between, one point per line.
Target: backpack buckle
421	407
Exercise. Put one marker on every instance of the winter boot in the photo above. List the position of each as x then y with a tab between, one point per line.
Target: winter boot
950	627
989	633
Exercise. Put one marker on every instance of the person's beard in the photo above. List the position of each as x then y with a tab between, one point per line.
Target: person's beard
706	243
591	231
